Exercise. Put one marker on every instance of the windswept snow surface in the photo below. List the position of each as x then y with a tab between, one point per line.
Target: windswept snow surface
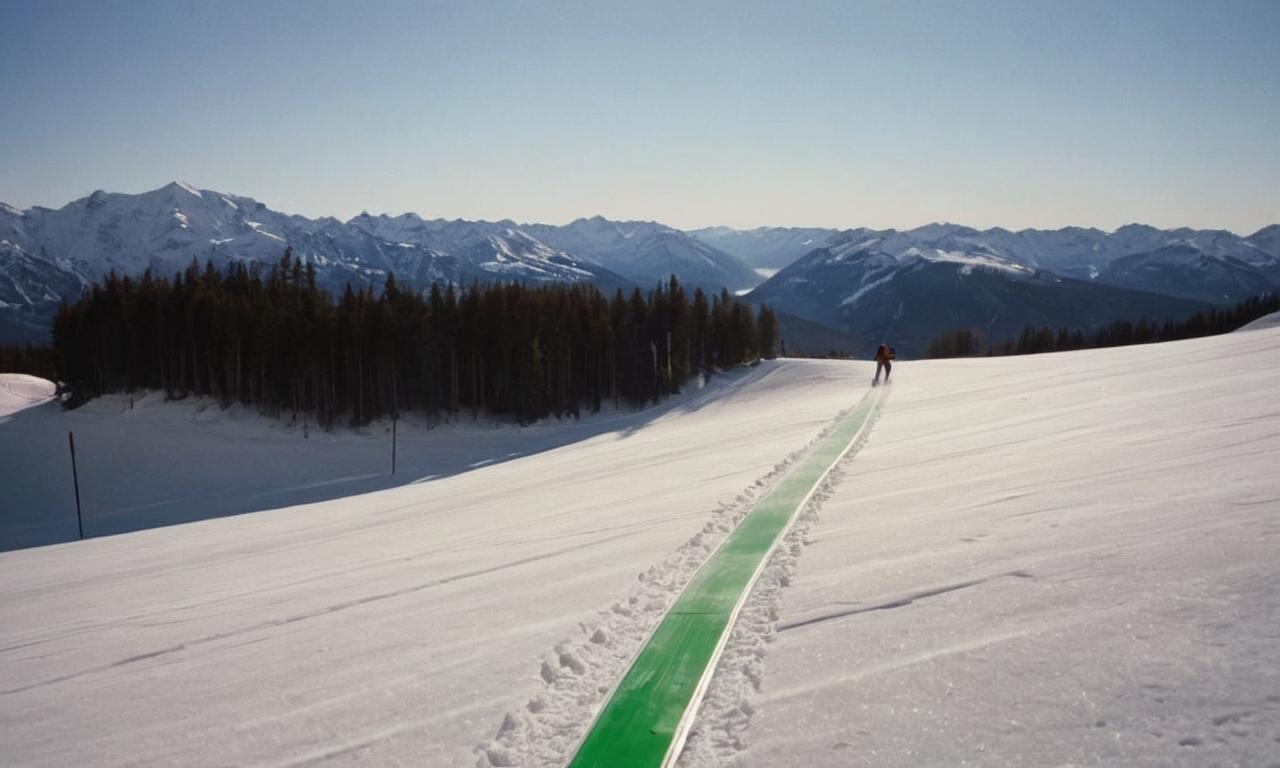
1064	559
1048	560
398	627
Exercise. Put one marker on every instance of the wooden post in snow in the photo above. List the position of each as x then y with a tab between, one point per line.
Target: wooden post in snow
75	479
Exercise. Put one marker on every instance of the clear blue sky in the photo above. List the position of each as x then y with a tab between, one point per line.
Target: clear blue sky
693	113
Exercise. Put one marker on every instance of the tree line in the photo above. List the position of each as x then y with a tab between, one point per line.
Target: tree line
967	342
29	358
273	340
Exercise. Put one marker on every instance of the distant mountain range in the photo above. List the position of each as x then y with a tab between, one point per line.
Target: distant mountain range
908	299
47	255
1070	252
868	285
907	286
766	247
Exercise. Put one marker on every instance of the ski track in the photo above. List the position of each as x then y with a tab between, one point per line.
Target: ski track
581	672
720	727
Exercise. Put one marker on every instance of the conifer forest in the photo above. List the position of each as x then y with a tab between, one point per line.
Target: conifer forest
271	339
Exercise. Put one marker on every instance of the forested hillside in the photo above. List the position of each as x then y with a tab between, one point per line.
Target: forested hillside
278	342
966	342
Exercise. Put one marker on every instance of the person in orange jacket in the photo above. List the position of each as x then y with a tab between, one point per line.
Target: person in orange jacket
884	361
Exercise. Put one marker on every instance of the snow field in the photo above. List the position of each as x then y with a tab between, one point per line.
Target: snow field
1043	560
1052	560
397	627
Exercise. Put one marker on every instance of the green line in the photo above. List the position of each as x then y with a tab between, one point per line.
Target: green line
639	723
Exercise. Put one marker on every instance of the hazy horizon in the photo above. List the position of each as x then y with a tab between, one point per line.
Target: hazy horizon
1013	115
529	222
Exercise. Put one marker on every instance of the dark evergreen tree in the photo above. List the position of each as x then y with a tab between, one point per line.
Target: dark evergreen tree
767	332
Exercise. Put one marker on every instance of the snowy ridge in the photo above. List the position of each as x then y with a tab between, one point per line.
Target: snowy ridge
971	259
581	673
188	188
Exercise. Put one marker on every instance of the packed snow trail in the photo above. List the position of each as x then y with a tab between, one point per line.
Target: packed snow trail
646	720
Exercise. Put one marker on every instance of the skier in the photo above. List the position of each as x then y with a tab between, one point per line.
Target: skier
884	361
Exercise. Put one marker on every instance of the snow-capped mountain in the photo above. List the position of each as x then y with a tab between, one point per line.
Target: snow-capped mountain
1267	241
1184	269
642	252
765	247
646	252
47	255
881	286
31	288
1077	252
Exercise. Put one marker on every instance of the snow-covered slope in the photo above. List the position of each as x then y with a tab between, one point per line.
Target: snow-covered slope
1054	560
398	626
1037	560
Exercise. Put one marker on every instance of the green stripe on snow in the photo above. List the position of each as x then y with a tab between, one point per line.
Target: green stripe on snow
640	723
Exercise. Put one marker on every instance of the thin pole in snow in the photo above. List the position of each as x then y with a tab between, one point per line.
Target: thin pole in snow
75	479
668	359
393	444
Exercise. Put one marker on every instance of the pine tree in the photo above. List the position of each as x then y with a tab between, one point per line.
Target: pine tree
767	332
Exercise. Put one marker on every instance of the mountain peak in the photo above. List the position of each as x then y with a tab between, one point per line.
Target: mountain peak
1135	227
96	199
940	229
181	186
